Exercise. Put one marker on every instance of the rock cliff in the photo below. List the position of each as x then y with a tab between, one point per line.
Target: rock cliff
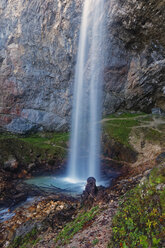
38	46
135	74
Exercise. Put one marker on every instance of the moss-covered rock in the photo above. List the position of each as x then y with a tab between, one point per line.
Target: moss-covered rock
30	239
33	151
129	136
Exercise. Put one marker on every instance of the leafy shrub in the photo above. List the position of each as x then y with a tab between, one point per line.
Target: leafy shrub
140	219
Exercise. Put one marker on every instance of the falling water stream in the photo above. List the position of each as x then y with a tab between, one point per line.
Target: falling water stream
85	136
84	156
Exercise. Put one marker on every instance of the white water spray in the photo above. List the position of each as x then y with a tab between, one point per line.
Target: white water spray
84	158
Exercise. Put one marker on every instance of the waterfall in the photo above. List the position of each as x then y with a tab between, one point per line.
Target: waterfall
84	157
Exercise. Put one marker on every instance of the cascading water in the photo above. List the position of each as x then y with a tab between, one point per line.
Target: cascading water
85	135
84	157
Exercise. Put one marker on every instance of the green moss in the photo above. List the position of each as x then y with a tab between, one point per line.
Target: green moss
124	122
29	239
140	219
78	224
28	149
156	177
145	118
120	129
126	115
46	140
119	134
95	242
7	136
152	134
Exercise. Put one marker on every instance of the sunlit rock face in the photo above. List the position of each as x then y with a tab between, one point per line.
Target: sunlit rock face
38	47
38	44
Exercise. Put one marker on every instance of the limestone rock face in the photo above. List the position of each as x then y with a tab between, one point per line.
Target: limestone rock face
38	47
135	73
38	44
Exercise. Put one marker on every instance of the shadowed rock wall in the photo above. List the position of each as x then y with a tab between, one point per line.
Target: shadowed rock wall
135	74
38	47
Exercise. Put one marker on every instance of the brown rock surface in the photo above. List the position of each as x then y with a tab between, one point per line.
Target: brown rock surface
41	213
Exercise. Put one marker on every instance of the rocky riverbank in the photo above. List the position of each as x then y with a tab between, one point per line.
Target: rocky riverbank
39	215
25	156
130	144
48	214
55	222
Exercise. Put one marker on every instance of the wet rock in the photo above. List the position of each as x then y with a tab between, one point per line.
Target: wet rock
31	166
93	194
91	188
40	214
19	197
13	191
88	196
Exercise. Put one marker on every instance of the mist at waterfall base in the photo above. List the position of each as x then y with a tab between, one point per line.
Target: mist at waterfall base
84	156
63	185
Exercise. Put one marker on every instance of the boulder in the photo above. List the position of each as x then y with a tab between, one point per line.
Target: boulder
11	164
92	194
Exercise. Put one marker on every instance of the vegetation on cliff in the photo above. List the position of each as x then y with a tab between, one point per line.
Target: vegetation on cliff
40	148
121	126
140	219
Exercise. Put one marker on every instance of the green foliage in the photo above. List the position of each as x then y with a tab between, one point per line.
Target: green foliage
46	140
120	129
153	134
40	146
146	118
78	224
121	126
126	115
140	219
95	242
29	239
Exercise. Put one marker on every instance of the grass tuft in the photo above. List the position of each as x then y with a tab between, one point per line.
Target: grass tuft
78	224
28	240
